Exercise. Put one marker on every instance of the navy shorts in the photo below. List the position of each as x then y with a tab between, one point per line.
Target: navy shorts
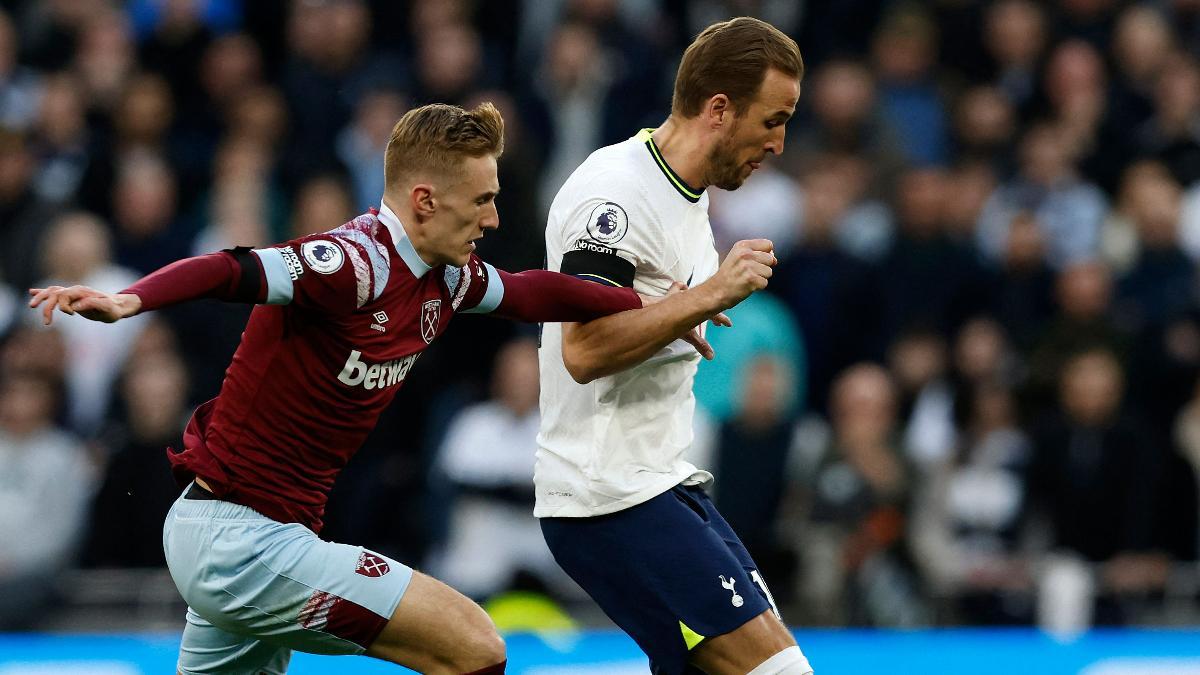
670	572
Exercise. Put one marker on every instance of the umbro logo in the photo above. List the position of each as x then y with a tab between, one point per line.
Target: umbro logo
381	318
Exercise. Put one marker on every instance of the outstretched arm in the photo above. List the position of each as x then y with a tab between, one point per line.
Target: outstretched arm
538	295
228	275
610	345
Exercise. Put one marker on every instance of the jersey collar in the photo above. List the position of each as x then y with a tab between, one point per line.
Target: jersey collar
403	244
689	193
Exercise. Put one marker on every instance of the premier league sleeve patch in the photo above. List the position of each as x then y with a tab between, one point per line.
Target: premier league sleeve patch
323	256
607	223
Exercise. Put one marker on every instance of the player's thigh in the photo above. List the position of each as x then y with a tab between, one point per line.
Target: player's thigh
436	629
669	593
279	583
743	649
205	649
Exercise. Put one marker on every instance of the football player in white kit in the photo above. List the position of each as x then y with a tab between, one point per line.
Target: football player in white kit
621	509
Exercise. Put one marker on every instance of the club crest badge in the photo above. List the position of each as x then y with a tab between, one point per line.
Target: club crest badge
372	565
431	316
323	256
607	223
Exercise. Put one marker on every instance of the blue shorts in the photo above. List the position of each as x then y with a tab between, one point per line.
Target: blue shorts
669	571
257	589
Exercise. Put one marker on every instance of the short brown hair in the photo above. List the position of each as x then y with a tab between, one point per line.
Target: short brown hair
732	58
437	137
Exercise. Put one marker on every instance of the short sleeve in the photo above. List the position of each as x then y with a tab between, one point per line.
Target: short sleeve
475	288
329	272
608	237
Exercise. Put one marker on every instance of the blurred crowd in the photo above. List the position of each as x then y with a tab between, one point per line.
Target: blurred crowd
970	395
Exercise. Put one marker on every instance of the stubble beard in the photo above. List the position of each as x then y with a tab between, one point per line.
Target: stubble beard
723	168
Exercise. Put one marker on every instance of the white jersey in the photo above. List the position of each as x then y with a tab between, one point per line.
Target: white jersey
626	219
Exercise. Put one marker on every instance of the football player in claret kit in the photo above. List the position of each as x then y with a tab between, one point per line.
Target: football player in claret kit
621	509
341	318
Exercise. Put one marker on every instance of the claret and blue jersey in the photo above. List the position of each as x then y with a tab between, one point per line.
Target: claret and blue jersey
347	314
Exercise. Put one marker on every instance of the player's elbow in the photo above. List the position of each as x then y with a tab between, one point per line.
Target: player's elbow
578	365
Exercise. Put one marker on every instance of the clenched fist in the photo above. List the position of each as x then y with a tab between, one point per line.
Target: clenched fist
746	269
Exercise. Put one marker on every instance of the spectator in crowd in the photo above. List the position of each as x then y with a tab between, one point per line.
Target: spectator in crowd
1023	285
361	144
1172	134
1015	36
230	66
1161	283
969	186
449	63
944	283
19	86
244	206
321	199
817	276
330	62
982	356
142	120
1068	209
1182	494
523	245
173	38
905	52
844	120
1119	243
984	127
77	250
919	367
967	525
60	140
487	455
1141	44
1093	478
765	327
23	214
853	547
149	232
573	91
1077	96
1084	321
45	486
125	527
105	59
28	349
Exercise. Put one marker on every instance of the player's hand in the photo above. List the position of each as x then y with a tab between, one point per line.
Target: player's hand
84	301
694	337
746	269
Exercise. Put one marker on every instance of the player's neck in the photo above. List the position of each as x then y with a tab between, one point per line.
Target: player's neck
682	150
411	229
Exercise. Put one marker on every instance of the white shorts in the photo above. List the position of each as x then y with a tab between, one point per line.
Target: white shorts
257	589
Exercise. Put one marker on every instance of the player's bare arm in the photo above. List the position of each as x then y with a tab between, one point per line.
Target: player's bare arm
614	343
84	301
215	275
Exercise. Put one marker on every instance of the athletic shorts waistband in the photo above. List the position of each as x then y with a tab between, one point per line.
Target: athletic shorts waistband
196	502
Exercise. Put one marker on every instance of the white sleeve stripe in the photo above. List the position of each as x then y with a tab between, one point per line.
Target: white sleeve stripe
279	278
380	267
492	296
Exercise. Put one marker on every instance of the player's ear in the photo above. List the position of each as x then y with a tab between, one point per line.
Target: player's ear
719	110
423	203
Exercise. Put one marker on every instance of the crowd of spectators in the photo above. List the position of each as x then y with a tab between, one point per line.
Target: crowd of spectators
972	386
